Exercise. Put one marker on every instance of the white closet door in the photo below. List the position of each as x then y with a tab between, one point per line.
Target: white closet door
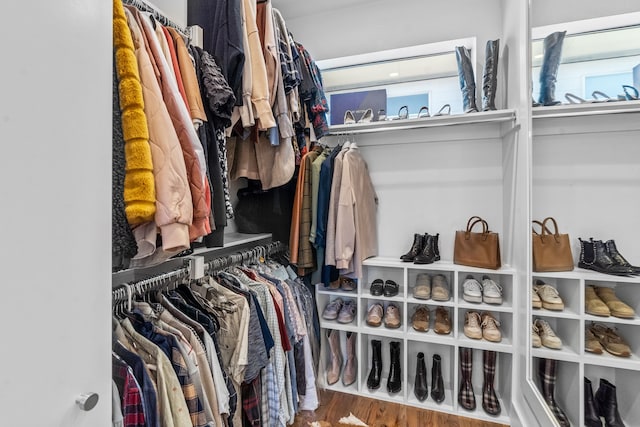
55	192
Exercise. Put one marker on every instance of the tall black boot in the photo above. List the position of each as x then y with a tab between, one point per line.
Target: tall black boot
420	388
607	404
549	70
593	256
466	397
394	382
612	251
416	248
591	418
490	402
490	75
437	384
467	79
373	381
428	253
547	370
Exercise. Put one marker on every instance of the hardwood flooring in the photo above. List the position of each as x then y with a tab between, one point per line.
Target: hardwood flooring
377	413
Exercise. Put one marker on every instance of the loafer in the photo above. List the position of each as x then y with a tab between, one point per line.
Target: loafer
332	309
422	289
616	307
440	288
442	325
376	287
348	312
391	288
392	317
593	304
374	315
420	319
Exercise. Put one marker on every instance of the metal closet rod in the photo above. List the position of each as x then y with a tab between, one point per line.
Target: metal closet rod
152	284
146	7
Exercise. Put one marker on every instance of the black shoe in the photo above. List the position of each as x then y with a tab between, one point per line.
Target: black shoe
593	256
391	288
490	75
612	251
376	287
549	69
420	388
373	381
416	248
467	79
607	404
591	418
394	382
437	383
429	251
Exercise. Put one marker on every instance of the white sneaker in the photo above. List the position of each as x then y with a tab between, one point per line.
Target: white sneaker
548	338
535	336
491	291
472	290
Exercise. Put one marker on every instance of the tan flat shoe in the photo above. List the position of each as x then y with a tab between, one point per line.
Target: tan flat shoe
617	307
591	343
610	340
442	324
593	304
490	328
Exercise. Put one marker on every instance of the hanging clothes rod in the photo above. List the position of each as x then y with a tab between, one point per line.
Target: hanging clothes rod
143	287
157	14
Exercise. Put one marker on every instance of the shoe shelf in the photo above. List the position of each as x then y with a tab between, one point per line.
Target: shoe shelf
480	307
609	360
367	295
567	313
504	346
337	292
588	318
430	337
566	354
485	117
586	109
438	266
332	324
588	275
429	302
445	406
626	383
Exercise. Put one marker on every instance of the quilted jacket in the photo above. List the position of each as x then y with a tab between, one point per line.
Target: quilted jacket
191	147
174	209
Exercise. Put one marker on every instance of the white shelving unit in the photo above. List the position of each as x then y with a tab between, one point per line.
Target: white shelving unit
430	343
585	158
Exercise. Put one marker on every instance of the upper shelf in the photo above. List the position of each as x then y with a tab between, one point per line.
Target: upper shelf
603	117
498	116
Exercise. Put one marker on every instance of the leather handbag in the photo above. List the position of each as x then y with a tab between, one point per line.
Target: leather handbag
551	251
477	249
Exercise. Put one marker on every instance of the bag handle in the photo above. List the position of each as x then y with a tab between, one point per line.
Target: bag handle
485	229
543	228
469	225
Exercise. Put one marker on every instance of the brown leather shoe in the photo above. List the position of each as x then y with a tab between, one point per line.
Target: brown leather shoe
610	340
442	324
374	315
392	317
617	307
420	319
591	343
593	304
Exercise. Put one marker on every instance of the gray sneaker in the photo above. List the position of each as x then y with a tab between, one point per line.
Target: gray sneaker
332	309
348	312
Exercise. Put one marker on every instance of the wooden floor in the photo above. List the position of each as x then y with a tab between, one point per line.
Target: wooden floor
377	413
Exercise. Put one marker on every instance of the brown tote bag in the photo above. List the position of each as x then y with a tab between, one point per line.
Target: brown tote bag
477	249
551	251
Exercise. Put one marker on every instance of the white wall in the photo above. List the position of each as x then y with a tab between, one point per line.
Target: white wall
380	25
547	12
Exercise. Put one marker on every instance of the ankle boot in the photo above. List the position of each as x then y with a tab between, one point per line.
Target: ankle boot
467	79
591	418
607	404
437	384
466	398
490	402
394	382
593	256
428	253
373	381
351	367
490	75
420	388
416	248
549	70
333	373
612	251
547	369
